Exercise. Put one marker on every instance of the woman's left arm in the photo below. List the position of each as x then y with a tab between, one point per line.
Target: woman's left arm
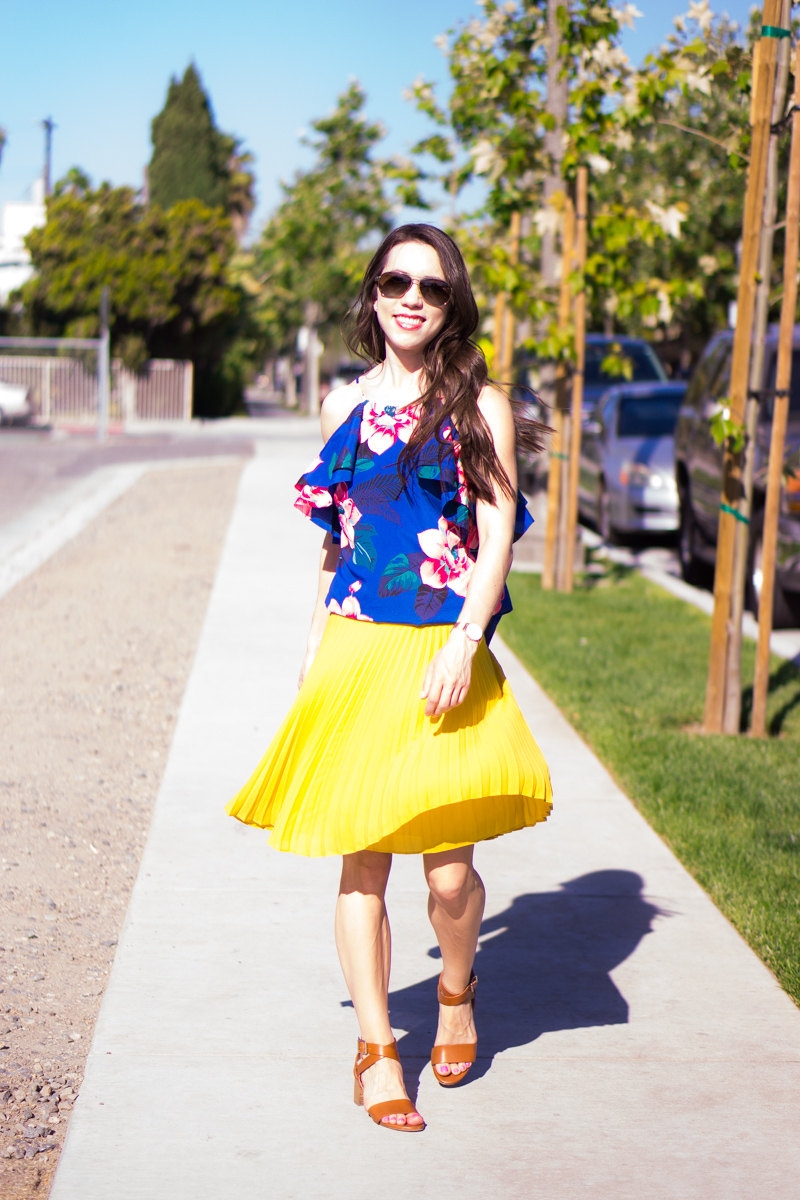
449	674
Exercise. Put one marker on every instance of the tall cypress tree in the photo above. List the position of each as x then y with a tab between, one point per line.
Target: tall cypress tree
190	155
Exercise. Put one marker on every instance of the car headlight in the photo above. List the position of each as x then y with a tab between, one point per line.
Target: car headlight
641	475
792	493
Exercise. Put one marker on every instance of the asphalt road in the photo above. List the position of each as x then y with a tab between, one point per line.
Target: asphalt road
35	464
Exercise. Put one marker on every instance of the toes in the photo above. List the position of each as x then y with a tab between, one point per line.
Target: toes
443	1069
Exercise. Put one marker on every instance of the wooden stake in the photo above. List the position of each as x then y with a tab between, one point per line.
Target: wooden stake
497	336
732	715
558	444
581	220
732	469
780	412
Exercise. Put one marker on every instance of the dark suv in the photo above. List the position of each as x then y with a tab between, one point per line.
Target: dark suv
698	474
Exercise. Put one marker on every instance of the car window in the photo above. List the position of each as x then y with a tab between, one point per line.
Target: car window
645	365
719	381
607	411
706	372
794	389
649	416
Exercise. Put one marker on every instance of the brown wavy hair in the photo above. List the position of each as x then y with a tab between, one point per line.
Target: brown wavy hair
455	368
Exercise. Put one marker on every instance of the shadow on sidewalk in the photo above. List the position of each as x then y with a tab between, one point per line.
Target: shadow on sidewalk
543	965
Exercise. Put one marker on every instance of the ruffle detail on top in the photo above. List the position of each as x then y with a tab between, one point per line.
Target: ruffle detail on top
333	469
357	765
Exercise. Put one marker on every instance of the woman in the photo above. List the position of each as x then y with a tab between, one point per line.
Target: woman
404	737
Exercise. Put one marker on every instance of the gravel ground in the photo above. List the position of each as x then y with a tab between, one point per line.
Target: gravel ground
95	651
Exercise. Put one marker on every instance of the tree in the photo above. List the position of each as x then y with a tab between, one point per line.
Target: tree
314	248
193	160
495	128
666	146
171	294
690	107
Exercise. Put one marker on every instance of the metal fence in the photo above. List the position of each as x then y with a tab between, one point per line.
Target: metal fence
64	389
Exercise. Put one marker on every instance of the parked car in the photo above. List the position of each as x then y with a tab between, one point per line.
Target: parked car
15	404
698	472
626	482
346	372
646	366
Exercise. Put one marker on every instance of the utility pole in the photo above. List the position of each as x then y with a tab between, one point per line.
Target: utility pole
103	367
780	414
733	673
732	470
508	330
48	124
311	363
576	415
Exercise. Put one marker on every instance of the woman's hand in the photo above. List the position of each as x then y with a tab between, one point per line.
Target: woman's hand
311	654
449	674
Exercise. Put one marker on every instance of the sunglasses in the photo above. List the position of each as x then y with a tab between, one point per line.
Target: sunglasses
394	284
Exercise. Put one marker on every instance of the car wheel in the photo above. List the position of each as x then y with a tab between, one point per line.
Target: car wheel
784	608
687	540
603	515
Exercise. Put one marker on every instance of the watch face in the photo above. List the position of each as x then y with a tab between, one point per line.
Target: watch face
473	631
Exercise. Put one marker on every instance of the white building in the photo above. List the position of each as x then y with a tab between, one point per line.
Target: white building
17	221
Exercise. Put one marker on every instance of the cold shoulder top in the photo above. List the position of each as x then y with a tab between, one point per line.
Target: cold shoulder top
408	545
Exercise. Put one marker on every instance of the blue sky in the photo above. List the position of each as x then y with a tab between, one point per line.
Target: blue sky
101	70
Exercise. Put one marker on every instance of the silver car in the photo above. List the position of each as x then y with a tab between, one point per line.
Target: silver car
15	403
627	469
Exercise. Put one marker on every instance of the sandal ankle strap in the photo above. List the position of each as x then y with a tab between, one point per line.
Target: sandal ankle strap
377	1051
468	993
369	1053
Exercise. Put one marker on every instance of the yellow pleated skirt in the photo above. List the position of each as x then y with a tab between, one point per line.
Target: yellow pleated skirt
357	765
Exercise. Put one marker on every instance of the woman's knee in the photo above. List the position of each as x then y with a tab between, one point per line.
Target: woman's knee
451	883
367	872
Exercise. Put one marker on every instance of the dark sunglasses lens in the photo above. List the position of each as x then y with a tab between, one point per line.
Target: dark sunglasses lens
393	285
435	291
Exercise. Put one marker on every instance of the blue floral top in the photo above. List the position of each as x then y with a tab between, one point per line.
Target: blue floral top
408	546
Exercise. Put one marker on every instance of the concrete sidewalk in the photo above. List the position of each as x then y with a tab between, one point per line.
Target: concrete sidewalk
632	1045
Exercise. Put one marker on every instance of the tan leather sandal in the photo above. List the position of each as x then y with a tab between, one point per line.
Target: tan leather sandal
455	1054
368	1054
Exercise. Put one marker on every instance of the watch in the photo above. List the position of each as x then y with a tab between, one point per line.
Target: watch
471	630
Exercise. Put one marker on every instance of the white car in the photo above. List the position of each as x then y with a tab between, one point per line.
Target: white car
15	403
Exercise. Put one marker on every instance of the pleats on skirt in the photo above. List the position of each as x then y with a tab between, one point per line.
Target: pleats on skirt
357	765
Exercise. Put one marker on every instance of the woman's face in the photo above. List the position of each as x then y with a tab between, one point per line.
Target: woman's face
409	323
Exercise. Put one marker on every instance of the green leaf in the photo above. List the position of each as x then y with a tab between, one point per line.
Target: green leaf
398	577
364	545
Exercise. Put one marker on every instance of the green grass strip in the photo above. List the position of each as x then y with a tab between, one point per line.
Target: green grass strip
626	663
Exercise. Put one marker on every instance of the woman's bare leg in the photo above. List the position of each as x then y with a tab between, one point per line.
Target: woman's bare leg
455	908
364	942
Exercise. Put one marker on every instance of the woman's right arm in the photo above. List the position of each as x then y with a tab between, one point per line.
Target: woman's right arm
336	408
327	569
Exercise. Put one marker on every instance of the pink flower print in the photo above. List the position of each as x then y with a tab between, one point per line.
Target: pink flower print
473	540
348	514
446	563
309	498
349	606
463	494
381	427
